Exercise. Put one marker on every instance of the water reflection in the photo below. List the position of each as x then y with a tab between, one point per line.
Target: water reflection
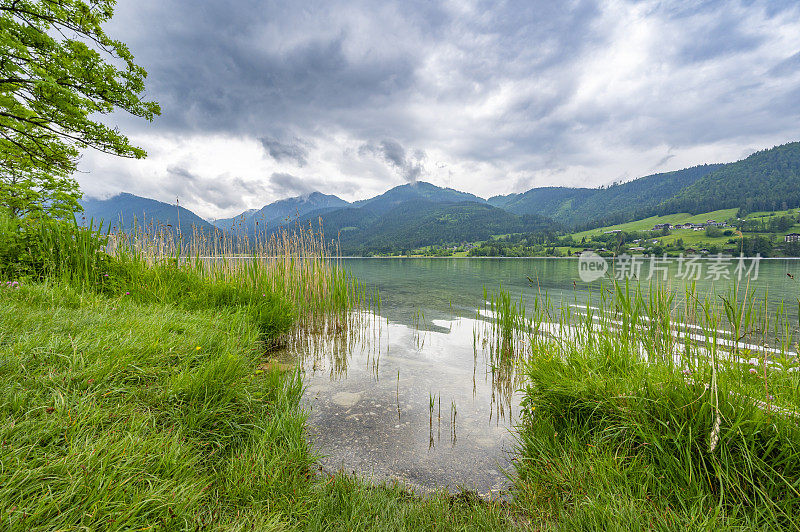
431	405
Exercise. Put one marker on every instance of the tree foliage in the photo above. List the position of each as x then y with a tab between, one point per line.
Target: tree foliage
58	72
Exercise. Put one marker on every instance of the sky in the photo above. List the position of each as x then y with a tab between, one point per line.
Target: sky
266	100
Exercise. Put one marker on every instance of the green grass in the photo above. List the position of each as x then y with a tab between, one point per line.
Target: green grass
648	223
691	238
612	440
121	415
133	397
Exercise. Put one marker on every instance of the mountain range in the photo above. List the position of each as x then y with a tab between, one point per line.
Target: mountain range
421	214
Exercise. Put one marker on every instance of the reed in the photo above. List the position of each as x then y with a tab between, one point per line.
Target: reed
655	409
288	279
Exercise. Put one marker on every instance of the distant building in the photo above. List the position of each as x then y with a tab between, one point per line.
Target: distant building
792	237
659	227
612	231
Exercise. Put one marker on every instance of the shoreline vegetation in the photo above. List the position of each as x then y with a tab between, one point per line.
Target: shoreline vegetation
138	392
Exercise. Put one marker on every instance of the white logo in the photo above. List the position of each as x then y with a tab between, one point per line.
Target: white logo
591	266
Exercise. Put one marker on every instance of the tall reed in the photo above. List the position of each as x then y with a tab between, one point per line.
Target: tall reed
684	406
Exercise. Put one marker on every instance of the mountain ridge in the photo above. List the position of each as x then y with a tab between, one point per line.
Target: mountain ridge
420	213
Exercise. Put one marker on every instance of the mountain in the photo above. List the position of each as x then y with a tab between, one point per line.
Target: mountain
550	201
766	180
420	214
281	211
420	222
417	191
577	207
416	215
123	209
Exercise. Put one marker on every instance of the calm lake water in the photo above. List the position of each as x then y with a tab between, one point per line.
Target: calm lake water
370	393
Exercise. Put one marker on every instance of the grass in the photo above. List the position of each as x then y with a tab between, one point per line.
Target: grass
134	396
122	415
691	238
632	424
648	223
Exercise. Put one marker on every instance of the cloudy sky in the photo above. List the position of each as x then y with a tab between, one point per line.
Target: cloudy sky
264	100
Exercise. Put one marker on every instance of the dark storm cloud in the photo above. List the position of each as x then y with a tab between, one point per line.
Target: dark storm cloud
664	160
253	67
409	165
281	152
260	68
515	87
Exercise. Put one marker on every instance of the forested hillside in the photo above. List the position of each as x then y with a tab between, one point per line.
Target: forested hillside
281	211
414	224
412	192
578	207
766	180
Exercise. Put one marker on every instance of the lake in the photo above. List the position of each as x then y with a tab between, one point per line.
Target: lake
412	394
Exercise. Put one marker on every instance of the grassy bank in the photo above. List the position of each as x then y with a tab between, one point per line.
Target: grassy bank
640	417
137	393
120	415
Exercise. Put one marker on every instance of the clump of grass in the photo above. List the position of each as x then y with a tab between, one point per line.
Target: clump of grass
502	333
121	416
285	279
645	416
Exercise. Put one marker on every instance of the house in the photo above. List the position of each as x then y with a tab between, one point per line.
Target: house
659	227
637	248
792	237
613	231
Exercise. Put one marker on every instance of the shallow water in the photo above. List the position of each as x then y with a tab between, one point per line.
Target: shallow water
369	390
370	399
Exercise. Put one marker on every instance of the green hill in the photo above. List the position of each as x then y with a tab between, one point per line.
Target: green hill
767	180
415	192
417	223
281	211
578	207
